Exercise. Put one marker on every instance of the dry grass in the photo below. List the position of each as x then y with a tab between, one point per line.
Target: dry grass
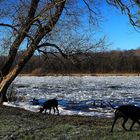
18	124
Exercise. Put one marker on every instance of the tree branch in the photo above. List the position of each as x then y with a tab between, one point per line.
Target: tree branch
55	55
55	46
53	20
22	34
8	25
90	10
11	26
125	9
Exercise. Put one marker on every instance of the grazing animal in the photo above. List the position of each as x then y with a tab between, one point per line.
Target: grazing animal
126	111
49	104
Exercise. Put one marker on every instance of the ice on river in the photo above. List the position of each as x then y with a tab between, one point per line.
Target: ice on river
79	95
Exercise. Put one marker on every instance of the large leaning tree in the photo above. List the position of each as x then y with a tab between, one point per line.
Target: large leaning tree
27	25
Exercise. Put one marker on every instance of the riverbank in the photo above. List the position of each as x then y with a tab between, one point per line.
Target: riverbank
83	74
19	124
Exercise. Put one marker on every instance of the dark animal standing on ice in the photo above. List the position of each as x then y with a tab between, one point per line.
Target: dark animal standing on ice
49	104
126	111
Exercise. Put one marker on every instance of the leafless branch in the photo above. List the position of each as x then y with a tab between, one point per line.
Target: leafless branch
55	46
126	8
89	8
8	25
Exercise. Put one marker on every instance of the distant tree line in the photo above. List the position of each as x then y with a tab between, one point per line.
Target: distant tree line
91	62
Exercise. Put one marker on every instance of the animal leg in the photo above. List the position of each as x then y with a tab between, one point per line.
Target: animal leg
138	122
114	123
132	125
49	111
45	111
123	124
54	109
57	110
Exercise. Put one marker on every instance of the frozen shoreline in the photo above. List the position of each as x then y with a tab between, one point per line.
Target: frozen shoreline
62	110
78	89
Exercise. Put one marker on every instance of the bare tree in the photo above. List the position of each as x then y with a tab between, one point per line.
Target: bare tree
28	23
131	8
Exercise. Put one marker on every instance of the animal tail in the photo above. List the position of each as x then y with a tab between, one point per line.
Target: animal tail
111	105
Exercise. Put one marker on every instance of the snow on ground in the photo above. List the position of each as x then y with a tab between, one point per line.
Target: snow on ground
77	94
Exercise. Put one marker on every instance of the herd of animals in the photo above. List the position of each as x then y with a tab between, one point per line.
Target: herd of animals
124	111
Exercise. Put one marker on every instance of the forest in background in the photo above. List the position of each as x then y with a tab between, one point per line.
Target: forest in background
86	63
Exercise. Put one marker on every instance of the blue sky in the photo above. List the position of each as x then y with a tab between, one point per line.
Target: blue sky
118	29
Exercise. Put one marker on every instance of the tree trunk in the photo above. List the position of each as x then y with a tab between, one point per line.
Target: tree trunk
10	76
3	98
7	80
22	34
5	83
